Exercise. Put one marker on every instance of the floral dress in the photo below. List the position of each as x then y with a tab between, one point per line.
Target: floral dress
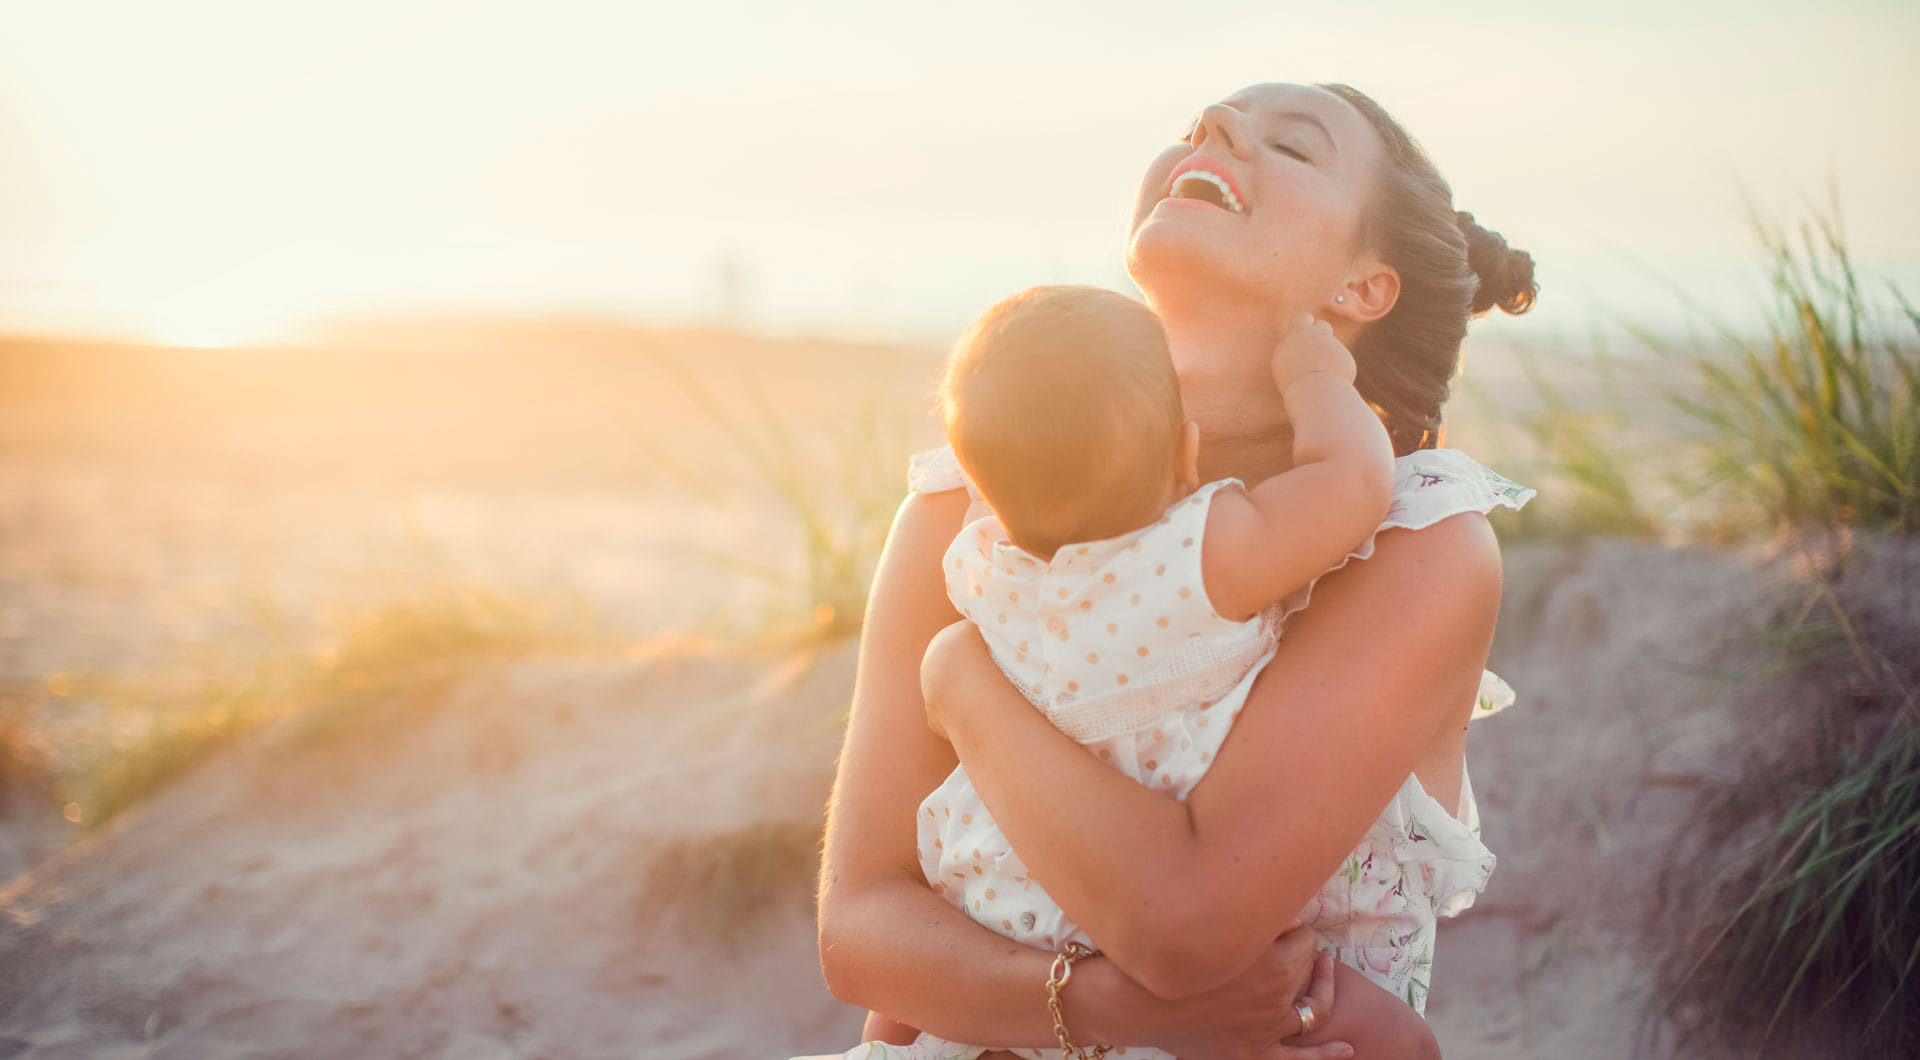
1416	863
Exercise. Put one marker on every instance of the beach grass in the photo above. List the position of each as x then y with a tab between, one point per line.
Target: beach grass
835	496
1810	923
1810	425
1830	919
148	731
720	888
1792	916
1590	485
1817	424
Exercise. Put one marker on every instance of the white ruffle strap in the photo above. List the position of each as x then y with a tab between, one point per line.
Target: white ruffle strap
1429	485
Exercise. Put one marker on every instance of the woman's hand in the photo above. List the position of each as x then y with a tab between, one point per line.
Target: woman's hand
1253	1015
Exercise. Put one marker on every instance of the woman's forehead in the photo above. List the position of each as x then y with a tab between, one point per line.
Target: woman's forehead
1281	96
1345	125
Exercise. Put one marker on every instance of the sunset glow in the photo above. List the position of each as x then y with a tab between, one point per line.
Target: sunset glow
218	171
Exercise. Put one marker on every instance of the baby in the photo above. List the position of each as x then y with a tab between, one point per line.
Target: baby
1062	406
1121	595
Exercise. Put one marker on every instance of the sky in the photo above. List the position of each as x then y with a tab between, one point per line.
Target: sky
224	171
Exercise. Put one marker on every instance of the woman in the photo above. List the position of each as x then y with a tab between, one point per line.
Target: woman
1340	215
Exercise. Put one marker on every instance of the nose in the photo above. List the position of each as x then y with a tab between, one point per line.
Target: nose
1226	123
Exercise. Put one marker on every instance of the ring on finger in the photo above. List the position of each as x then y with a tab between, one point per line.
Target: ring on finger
1308	1020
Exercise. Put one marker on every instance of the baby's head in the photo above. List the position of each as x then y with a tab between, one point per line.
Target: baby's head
1062	405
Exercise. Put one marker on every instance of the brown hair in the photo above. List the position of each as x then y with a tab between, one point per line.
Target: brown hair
1451	269
1062	406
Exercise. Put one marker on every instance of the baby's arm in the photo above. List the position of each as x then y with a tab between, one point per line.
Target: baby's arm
1292	528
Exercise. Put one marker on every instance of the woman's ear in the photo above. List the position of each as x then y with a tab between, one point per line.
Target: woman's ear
1188	456
1369	293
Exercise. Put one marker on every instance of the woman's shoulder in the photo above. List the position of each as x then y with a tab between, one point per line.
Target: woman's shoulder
1452	560
1453	551
1445	495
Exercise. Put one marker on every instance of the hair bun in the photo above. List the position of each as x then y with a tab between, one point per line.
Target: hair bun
1506	274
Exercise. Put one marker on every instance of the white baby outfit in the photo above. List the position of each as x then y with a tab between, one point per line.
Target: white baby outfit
1116	642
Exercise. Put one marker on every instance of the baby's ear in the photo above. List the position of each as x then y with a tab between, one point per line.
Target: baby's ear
1188	456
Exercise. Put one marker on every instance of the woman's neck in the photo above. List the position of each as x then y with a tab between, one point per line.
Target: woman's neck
1226	384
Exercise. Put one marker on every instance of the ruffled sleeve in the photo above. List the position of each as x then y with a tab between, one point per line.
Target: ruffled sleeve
936	471
1432	484
1429	485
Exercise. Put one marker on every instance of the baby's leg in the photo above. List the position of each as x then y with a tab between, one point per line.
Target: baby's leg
884	1029
1377	1024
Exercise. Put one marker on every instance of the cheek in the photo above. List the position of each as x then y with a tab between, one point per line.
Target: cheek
1154	183
1301	222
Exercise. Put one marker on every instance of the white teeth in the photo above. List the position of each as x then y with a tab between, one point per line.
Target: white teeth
1226	192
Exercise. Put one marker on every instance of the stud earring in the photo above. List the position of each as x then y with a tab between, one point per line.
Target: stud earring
1339	297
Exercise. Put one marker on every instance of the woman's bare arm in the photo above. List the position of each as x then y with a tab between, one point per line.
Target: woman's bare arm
889	943
877	916
1181	895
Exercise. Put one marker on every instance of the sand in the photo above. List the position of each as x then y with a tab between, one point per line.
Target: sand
465	875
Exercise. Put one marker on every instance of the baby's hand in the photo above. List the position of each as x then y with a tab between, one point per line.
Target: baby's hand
1310	346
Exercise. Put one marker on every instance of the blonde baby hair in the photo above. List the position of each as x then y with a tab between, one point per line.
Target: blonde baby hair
1062	405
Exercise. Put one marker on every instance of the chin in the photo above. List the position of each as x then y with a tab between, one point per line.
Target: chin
1165	257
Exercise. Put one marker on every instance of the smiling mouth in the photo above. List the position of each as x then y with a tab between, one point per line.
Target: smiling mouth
1207	187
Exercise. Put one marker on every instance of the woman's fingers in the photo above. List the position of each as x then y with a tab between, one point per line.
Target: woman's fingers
1320	991
1298	946
1296	954
1246	1018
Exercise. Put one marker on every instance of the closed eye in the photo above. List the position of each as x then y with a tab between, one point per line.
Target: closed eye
1289	151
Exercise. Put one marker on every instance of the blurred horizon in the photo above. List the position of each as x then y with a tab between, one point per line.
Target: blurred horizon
217	173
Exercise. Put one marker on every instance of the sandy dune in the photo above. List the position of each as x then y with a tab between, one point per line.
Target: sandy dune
587	859
466	874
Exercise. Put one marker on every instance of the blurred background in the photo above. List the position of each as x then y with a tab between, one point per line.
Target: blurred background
218	173
444	447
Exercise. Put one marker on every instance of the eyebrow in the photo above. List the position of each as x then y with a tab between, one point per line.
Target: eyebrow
1296	115
1301	115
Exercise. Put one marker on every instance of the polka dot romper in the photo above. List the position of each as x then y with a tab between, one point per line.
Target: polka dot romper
1116	643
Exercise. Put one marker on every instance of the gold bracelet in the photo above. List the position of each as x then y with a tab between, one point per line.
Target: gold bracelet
1057	982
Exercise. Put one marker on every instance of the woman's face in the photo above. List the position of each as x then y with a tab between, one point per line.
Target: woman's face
1262	202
